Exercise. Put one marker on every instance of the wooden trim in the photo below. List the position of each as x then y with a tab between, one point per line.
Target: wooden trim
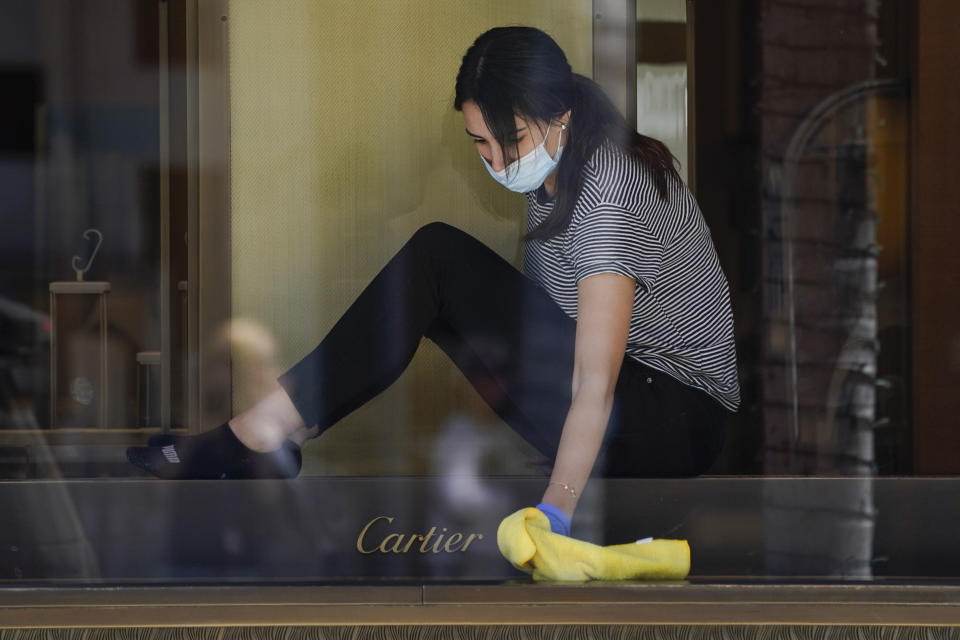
191	65
496	604
934	227
210	299
661	42
183	51
163	98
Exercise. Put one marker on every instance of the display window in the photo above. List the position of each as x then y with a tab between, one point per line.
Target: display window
432	297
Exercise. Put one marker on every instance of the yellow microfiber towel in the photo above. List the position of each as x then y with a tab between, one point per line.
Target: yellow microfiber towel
525	539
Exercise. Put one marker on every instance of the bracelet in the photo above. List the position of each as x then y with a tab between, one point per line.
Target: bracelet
566	487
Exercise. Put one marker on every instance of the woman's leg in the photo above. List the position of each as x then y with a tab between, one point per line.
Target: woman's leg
664	428
504	332
514	344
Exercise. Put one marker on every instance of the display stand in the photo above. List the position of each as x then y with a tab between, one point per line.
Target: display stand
79	288
145	360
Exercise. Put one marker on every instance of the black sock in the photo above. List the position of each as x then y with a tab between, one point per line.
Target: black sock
216	453
205	455
161	439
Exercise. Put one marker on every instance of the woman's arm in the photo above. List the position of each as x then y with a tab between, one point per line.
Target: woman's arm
604	308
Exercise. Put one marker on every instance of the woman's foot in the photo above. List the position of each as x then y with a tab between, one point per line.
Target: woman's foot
214	454
253	444
298	437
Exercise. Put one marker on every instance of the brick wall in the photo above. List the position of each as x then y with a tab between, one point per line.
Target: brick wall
819	262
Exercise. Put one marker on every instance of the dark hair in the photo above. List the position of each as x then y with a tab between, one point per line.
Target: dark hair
511	71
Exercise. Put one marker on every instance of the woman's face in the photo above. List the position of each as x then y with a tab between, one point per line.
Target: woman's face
529	134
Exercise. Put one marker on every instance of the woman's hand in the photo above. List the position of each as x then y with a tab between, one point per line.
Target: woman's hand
559	521
604	309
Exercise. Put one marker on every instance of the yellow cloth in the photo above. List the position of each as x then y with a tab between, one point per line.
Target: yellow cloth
526	541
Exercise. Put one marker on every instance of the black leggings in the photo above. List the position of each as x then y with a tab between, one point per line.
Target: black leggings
514	344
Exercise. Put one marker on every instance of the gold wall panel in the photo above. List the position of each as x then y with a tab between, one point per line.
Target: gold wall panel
343	142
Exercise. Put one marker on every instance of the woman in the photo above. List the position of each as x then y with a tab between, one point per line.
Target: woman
612	354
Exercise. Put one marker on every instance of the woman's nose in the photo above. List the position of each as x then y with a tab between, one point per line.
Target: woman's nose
495	161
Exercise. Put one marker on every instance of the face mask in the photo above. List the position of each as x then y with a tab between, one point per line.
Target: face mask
529	172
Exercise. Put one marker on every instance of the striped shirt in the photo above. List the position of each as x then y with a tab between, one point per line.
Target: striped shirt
682	323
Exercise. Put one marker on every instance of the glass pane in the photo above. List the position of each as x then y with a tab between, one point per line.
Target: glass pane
662	75
341	178
83	178
349	530
197	194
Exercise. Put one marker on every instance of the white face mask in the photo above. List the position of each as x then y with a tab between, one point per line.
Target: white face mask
529	172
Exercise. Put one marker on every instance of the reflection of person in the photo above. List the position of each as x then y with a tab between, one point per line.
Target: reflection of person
617	340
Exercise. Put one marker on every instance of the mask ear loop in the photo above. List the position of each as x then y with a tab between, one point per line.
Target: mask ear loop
563	127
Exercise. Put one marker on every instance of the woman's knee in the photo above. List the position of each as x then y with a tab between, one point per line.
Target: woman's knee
436	234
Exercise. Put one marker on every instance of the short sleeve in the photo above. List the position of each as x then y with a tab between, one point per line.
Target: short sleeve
609	239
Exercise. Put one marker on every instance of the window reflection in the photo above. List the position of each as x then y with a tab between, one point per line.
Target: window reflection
794	123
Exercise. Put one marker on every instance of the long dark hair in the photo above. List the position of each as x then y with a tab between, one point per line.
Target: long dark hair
511	71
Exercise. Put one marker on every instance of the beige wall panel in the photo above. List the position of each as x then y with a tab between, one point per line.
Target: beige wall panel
344	141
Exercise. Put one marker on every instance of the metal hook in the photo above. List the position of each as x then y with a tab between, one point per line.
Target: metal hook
86	236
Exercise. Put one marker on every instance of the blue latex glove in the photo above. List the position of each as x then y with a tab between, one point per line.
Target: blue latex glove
559	521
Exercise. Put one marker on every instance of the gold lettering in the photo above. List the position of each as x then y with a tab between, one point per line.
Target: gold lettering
363	532
385	548
436	545
411	541
426	539
452	541
470	538
431	542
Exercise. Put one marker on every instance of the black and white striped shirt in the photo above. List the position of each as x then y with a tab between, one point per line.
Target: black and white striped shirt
682	323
